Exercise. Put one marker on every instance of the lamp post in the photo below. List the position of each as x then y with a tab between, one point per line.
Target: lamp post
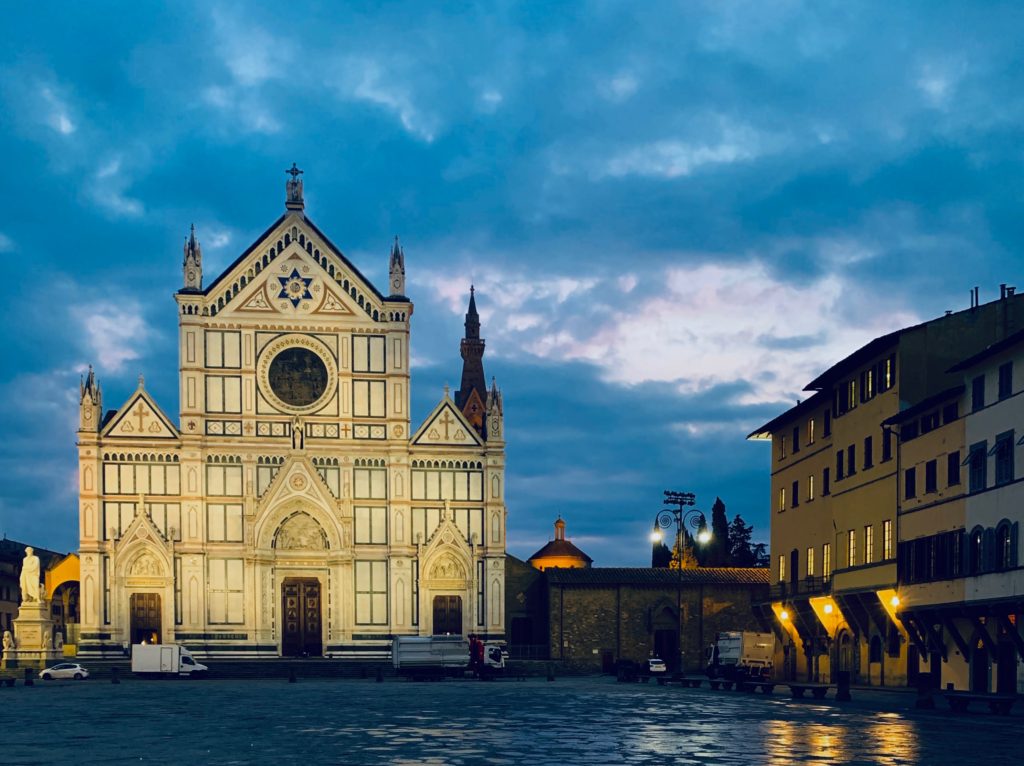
680	516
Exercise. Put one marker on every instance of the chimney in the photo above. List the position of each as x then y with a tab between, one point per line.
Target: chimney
1002	291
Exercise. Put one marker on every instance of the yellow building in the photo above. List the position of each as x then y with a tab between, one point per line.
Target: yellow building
961	506
835	499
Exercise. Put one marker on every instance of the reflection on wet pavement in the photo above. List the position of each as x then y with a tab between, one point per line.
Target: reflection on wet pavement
589	720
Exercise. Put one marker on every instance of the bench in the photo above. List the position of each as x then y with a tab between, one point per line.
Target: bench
752	686
818	691
1000	704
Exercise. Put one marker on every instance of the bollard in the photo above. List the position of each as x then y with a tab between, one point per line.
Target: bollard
291	675
28	677
115	675
380	674
924	692
551	672
843	683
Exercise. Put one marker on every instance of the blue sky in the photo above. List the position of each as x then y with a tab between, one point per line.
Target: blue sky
676	214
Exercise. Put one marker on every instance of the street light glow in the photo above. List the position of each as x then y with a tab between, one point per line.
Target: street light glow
656	536
703	537
895	601
828	609
784	615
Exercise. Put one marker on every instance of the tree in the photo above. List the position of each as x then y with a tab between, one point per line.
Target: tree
761	558
661	556
719	550
740	550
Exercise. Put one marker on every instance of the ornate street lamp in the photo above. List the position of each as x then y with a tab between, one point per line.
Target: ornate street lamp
681	517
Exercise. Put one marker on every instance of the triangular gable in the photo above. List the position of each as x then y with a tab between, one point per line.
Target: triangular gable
141	529
292	235
446	535
447	426
294	285
140	418
297	477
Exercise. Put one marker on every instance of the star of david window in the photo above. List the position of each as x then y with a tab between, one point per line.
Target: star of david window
295	288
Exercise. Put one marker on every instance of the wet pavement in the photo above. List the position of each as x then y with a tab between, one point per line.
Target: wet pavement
573	720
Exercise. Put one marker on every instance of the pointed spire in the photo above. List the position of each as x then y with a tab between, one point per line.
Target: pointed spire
193	263
472	317
472	394
396	269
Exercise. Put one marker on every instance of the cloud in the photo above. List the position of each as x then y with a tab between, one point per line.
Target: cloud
107	190
6	243
620	87
671	158
114	335
365	79
58	116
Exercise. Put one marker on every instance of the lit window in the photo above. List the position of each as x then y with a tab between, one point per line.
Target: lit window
810	431
810	487
810	562
826	560
782	499
869	544
782	568
887	539
851	548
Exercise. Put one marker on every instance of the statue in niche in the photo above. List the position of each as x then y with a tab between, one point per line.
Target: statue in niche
300	533
8	640
298	437
29	577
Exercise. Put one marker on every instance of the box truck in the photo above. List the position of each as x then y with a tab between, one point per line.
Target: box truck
165	660
421	657
738	655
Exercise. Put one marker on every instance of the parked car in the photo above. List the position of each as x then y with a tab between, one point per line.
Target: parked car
65	670
656	666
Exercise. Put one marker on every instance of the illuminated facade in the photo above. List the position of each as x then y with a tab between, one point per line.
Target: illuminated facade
961	506
559	553
835	494
291	509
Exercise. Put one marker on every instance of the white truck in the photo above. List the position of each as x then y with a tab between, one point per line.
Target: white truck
421	657
165	660
740	655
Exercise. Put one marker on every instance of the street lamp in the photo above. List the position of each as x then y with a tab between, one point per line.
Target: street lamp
679	516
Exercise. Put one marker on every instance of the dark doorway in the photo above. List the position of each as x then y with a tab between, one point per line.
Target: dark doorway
607	662
1006	669
913	666
522	631
300	608
935	669
145	625
666	646
447	615
979	668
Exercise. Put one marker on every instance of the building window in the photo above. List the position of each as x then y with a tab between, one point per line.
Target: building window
826	560
886	444
226	591
1004	547
810	431
931	476
867	385
782	499
869	452
370	483
950	412
481	607
224	394
782	447
782	567
796	439
839	465
224	522
810	561
810	487
929	422
887	539
978	459
851	395
796	494
869	544
827	417
371	592
1005	380
224	480
367	353
851	548
974	552
887	373
826	489
368	398
953	468
851	460
1004	458
978	393
371	525
415	592
910	483
223	349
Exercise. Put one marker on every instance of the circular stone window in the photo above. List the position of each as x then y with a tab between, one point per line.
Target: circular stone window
297	373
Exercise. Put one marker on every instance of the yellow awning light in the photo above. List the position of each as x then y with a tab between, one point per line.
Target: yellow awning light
894	601
784	615
828	609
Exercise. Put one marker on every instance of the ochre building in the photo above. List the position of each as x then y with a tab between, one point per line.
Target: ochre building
292	507
838	491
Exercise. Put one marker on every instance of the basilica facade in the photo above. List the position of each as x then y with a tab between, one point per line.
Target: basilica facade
291	509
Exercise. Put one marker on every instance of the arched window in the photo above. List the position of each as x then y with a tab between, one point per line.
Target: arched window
974	552
1004	544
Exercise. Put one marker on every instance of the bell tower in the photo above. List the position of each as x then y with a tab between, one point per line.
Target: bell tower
396	270
90	403
471	396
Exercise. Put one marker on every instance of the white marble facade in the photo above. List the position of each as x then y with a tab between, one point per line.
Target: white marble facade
291	509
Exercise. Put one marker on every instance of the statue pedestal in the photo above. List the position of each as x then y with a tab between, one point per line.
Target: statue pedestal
33	638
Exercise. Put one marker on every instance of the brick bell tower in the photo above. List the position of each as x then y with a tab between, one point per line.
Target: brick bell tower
472	393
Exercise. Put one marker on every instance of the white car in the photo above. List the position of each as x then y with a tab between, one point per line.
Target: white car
65	670
656	666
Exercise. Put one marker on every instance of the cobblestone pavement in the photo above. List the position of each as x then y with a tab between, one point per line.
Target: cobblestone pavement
574	720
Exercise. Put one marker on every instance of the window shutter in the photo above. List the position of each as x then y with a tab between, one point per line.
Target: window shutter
1014	534
965	552
988	550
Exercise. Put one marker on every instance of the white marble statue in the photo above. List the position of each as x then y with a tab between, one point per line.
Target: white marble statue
8	640
30	577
